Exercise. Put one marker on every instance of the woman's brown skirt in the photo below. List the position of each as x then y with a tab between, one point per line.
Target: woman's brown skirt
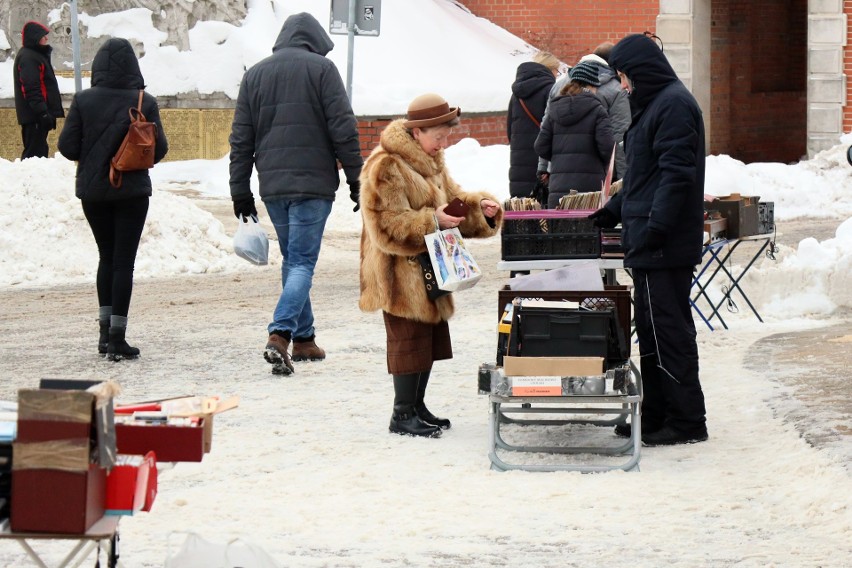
413	345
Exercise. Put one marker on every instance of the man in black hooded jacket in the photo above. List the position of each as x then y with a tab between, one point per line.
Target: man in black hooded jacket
293	123
37	100
661	210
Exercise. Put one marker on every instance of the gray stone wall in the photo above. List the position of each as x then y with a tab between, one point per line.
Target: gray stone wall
174	17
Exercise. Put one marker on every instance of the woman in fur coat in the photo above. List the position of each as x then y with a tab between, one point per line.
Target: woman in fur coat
405	186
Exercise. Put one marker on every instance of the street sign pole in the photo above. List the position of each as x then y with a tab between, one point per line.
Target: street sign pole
351	47
75	48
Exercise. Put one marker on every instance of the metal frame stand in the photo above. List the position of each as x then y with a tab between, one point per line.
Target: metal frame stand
620	405
103	533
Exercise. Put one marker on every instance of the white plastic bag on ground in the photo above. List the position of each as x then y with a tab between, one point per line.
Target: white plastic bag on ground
251	242
196	552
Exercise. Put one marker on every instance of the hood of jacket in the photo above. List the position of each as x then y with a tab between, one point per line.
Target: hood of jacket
642	60
115	66
530	78
32	33
567	110
303	30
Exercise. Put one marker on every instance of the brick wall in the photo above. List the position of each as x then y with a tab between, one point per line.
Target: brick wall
486	128
568	29
847	69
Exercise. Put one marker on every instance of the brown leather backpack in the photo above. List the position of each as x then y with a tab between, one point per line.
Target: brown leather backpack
137	149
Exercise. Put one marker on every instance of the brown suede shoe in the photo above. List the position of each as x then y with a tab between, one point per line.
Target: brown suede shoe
307	351
276	354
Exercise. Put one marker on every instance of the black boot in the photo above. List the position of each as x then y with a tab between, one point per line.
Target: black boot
104	313
404	419
420	406
117	348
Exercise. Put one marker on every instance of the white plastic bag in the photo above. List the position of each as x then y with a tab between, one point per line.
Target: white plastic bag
251	242
197	552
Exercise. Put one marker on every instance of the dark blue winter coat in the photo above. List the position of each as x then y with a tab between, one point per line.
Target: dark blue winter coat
664	186
293	120
576	138
532	85
98	120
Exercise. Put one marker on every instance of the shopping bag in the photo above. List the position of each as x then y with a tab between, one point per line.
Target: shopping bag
197	552
251	242
453	265
429	281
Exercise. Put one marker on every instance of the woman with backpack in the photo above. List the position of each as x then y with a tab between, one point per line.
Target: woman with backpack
97	123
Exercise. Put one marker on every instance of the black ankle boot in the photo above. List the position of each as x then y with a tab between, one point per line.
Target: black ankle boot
117	348
404	420
103	337
420	406
426	416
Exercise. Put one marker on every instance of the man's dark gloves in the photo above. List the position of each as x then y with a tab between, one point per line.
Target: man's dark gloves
355	194
245	207
654	240
542	176
47	122
603	218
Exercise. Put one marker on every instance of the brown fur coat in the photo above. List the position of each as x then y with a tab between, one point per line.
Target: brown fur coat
401	185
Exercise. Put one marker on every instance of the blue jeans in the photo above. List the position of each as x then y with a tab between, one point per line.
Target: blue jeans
300	226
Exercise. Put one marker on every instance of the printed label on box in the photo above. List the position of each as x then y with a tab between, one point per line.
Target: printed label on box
536	386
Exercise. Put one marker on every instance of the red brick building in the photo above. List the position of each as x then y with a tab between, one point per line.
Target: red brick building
769	74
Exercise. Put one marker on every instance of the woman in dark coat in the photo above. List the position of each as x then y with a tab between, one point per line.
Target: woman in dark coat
532	85
96	125
576	136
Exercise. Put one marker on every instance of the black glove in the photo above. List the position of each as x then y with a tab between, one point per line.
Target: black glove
47	122
603	218
543	176
355	194
245	207
654	240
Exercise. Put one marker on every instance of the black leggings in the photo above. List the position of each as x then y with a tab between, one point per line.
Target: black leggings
117	227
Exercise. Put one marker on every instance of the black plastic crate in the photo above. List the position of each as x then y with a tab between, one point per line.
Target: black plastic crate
561	332
549	234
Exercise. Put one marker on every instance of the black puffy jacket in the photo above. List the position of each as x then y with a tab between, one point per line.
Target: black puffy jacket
664	186
576	138
293	120
36	89
98	120
532	85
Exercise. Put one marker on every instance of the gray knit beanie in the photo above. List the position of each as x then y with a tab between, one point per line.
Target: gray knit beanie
585	72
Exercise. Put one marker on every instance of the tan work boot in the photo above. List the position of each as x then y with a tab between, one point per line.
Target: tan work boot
306	349
276	354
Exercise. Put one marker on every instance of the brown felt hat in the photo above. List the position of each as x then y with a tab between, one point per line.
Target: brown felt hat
429	110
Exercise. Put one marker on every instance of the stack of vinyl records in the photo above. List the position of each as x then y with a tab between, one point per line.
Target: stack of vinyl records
611	243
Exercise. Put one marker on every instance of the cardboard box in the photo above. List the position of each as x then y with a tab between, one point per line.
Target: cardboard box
57	501
552	366
740	212
48	415
169	443
130	487
175	443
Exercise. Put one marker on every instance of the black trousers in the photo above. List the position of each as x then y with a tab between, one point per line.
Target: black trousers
668	350
117	227
34	138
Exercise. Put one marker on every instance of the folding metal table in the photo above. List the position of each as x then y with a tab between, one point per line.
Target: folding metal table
619	404
717	255
104	533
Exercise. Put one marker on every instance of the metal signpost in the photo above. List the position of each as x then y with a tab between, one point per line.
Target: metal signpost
354	17
75	47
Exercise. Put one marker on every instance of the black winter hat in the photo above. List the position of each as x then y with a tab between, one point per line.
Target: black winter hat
585	72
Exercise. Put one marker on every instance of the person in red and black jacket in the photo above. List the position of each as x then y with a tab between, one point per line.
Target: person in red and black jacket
37	100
